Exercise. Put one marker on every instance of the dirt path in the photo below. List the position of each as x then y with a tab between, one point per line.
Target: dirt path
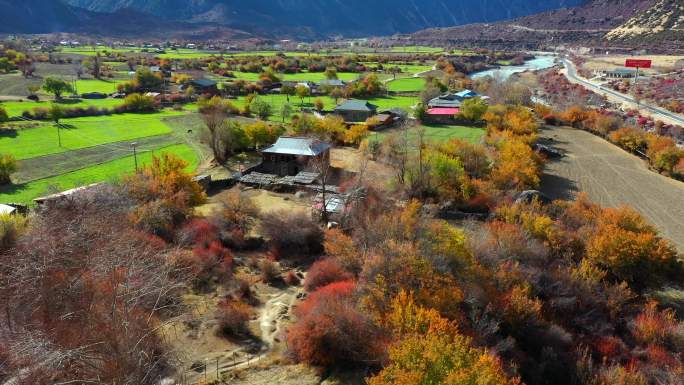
275	311
613	177
220	356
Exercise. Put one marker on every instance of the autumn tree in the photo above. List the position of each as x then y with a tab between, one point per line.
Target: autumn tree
292	234
166	193
473	109
261	133
288	90
429	350
324	272
100	287
517	166
261	108
519	120
630	249
331	73
330	330
8	165
319	105
355	134
214	112
286	111
56	113
302	92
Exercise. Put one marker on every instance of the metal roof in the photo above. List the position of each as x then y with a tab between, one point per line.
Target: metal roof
332	82
5	209
356	105
204	82
465	94
445	101
291	145
443	111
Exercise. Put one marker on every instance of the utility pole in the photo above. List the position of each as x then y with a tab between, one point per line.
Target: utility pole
135	155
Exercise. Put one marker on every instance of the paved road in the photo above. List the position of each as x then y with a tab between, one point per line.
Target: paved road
654	111
613	177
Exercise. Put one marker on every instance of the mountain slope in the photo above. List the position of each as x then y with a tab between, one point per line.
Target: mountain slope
664	21
46	16
36	16
586	24
323	18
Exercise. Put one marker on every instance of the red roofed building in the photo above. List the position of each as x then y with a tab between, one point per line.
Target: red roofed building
445	115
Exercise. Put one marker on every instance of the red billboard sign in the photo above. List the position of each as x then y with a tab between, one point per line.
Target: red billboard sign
638	63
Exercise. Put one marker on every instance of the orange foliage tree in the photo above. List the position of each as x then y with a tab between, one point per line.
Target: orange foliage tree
517	167
429	350
630	249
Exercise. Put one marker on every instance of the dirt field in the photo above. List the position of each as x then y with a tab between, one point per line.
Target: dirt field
613	177
266	201
661	63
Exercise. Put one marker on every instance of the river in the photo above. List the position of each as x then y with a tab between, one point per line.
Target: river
538	63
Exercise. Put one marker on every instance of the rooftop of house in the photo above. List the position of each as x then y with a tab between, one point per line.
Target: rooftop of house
401	113
356	105
443	111
6	209
294	145
445	101
465	94
204	82
332	82
621	71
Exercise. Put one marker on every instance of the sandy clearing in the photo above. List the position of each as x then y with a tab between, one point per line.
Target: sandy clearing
607	62
613	177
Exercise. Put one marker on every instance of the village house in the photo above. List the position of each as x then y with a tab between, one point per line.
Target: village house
620	73
452	100
291	155
442	115
331	83
445	101
355	111
205	86
161	71
7	209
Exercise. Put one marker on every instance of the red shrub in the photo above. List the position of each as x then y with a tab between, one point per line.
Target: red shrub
324	272
233	317
331	330
660	357
653	326
199	230
211	261
291	278
610	348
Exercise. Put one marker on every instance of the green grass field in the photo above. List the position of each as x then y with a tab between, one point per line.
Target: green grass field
417	49
277	101
25	193
16	108
303	76
406	85
439	133
83	132
93	85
